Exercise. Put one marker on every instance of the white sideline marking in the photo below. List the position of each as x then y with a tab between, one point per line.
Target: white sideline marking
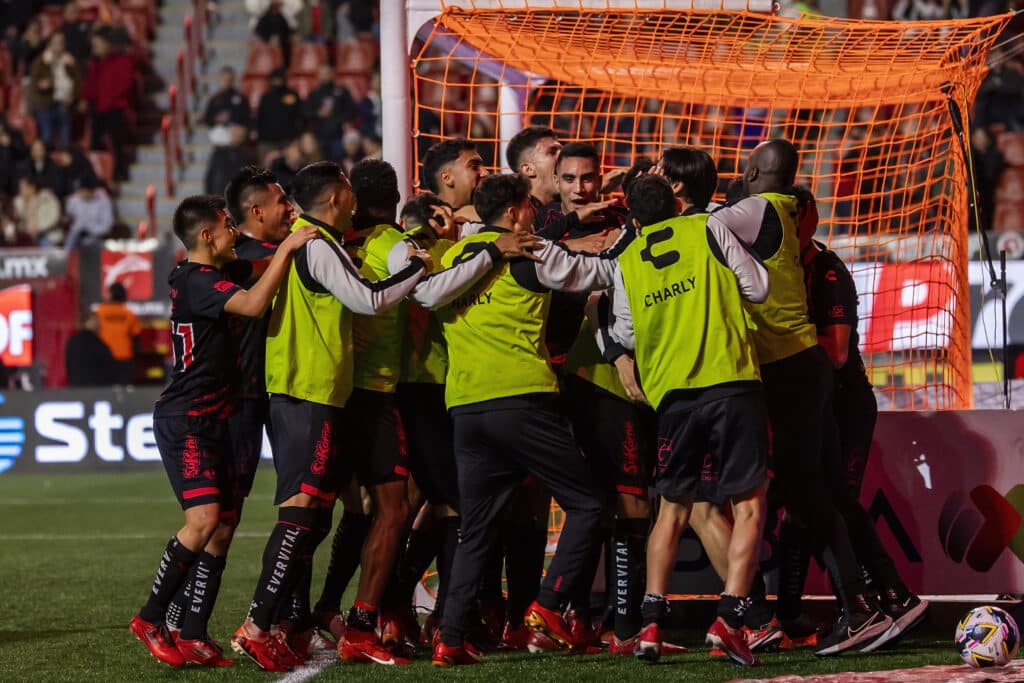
110	537
113	500
310	670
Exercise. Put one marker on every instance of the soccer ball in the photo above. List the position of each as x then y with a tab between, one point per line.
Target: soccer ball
987	636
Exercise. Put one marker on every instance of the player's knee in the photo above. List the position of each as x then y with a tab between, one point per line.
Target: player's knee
203	521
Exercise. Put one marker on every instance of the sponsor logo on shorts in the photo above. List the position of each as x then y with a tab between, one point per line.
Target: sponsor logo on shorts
629	449
664	452
190	458
323	450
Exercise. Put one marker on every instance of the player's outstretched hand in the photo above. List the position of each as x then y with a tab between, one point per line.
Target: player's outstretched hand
298	238
627	375
518	245
443	223
591	213
422	255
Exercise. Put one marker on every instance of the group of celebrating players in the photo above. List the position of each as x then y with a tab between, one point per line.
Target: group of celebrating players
504	339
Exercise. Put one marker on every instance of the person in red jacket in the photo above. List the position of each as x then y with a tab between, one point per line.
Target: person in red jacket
108	92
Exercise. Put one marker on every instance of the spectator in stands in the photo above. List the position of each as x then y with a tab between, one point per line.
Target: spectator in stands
352	146
90	214
279	116
53	86
228	106
37	212
26	46
87	359
109	91
119	329
10	235
316	21
77	30
73	166
999	99
12	153
373	147
988	166
15	14
40	167
287	164
227	159
369	108
274	29
329	107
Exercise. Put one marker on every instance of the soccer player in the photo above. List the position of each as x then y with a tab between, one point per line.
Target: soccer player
263	215
832	305
797	381
452	169
533	153
507	422
189	420
309	378
679	303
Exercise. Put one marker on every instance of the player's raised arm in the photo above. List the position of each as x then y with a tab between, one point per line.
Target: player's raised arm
253	302
562	269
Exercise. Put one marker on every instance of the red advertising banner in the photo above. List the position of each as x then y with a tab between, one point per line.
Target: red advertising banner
16	325
133	269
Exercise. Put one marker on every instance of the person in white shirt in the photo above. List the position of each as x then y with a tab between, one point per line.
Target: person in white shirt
90	212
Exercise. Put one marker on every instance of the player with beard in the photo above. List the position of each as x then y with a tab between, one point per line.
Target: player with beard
190	420
452	169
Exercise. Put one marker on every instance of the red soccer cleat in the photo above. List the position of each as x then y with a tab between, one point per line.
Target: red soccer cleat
766	638
455	656
515	637
732	641
648	647
268	651
204	651
156	638
550	623
668	648
362	647
538	642
583	635
623	647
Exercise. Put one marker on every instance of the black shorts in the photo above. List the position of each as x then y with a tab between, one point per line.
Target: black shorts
246	429
196	452
616	436
305	440
431	441
375	449
717	449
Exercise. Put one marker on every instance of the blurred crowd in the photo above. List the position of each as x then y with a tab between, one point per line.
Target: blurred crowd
295	123
70	84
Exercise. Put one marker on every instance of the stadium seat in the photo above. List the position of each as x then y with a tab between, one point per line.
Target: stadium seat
302	83
1009	216
103	165
262	58
354	56
307	57
1011	185
1011	144
358	85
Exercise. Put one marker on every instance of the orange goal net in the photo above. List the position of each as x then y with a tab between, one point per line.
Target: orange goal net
870	104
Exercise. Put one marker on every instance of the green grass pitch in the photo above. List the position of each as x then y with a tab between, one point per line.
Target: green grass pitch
78	552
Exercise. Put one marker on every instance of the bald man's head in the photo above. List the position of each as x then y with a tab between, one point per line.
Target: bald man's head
772	167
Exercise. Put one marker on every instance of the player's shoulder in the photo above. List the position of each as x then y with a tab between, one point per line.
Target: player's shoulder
830	267
252	249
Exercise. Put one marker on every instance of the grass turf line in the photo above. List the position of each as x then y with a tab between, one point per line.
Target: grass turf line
65	602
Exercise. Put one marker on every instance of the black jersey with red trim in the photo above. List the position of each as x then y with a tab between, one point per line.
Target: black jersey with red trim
832	300
251	333
205	378
567	308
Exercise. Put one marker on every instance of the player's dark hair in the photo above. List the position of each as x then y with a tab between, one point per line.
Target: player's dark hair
192	213
440	155
498	192
375	185
524	141
311	182
117	292
804	196
695	169
651	200
639	167
243	188
579	150
419	210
